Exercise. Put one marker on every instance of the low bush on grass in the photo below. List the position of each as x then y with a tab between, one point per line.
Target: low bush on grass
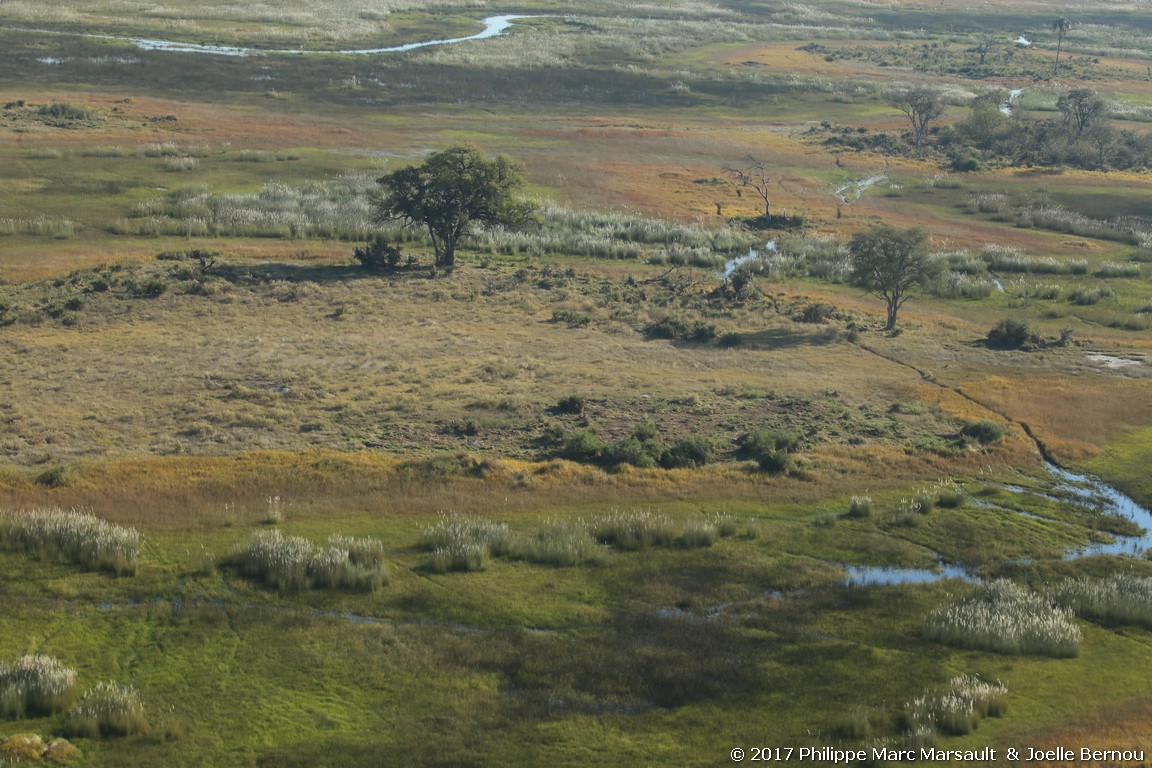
771	449
984	431
1011	333
956	710
292	563
1121	598
643	448
35	685
634	530
378	254
465	543
77	537
1004	617
109	709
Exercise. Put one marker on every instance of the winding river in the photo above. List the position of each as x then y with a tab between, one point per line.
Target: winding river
1082	489
493	26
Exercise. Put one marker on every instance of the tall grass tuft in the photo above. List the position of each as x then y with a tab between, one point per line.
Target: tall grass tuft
292	563
109	709
1004	617
956	711
1122	598
699	534
559	542
35	685
465	543
635	529
78	537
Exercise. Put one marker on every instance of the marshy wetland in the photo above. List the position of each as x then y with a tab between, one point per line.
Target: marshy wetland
644	479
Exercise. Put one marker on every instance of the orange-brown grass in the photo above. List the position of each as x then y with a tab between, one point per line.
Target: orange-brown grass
193	492
1074	417
1126	725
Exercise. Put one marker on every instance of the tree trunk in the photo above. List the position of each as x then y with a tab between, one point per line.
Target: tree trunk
447	259
893	308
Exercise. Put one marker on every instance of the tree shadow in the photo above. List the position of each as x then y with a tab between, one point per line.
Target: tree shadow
784	338
269	272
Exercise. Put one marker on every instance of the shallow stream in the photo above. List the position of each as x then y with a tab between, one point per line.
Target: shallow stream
493	26
1085	490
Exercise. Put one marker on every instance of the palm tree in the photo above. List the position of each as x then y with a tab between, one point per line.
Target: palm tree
1060	26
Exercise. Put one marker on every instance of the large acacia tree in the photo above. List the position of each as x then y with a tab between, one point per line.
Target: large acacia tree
450	193
891	262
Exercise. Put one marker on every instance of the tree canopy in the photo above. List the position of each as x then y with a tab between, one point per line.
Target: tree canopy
890	262
451	192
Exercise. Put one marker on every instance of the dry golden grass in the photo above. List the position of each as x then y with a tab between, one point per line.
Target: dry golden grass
1073	416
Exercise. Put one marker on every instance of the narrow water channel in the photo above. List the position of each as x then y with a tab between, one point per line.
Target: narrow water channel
1084	489
493	26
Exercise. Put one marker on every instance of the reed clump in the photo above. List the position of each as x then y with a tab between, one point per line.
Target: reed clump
956	710
1007	618
465	543
109	709
634	529
73	536
292	563
560	543
35	685
1122	598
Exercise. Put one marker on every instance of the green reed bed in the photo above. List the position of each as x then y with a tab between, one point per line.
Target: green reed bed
74	536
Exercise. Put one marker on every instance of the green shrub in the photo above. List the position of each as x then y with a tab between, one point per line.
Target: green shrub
639	453
769	448
583	445
687	453
109	709
35	685
984	431
378	254
678	329
1011	333
573	404
816	312
63	111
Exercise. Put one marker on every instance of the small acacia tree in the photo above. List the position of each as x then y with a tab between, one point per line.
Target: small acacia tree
753	174
890	262
922	105
1081	108
451	192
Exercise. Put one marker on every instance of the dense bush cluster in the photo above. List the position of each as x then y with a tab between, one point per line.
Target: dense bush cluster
643	448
